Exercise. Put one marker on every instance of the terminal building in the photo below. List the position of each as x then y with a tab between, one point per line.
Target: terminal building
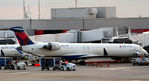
85	18
82	19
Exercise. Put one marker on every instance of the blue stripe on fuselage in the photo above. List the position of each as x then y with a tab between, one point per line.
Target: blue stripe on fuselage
20	51
72	56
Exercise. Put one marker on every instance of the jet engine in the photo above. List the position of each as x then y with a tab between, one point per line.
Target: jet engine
52	46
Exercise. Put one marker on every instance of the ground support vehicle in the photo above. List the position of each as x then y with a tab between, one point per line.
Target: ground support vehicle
68	66
6	63
141	61
47	63
20	65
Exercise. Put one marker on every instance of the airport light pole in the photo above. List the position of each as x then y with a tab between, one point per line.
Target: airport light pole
76	5
24	9
39	9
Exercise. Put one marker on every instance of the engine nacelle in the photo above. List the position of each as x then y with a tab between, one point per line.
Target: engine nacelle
52	46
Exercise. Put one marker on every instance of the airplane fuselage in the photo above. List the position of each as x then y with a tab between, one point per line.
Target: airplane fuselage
85	49
75	49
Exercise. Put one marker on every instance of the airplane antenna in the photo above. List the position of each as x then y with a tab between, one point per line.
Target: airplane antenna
24	10
29	12
76	3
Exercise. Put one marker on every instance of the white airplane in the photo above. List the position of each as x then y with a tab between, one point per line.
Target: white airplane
10	51
75	50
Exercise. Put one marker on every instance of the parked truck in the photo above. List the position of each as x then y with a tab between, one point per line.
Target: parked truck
47	63
56	64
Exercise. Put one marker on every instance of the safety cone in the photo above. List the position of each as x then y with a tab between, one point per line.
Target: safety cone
101	65
108	65
96	64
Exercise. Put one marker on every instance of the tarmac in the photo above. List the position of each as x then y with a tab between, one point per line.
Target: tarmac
115	72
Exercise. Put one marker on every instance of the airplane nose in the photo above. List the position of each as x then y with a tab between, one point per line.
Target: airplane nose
145	52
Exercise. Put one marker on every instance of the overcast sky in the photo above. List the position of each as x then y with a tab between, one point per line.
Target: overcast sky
13	9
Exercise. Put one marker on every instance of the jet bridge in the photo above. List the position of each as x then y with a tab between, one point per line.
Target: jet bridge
75	36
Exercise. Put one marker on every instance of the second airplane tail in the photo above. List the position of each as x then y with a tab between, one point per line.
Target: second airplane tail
22	36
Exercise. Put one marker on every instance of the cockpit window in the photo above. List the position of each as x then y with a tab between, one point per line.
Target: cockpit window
141	48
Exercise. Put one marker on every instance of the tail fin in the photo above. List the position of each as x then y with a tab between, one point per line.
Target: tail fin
21	35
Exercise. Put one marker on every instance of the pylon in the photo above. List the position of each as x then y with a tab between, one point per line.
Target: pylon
100	65
96	64
108	65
